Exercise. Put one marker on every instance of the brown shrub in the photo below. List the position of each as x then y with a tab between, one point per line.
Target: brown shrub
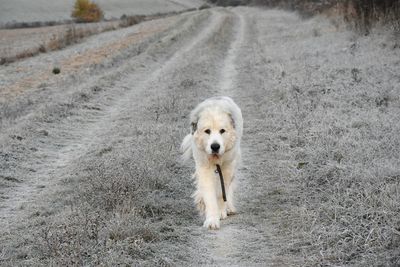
87	11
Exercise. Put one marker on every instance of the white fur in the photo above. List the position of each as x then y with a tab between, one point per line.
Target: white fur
214	114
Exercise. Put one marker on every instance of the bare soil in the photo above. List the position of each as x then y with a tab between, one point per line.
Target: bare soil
89	169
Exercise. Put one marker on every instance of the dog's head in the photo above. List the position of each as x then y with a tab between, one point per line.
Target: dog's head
214	132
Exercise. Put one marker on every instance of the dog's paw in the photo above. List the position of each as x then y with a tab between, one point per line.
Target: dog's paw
224	214
201	207
212	223
231	210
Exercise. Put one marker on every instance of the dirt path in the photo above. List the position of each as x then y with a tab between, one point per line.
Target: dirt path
88	159
250	237
234	243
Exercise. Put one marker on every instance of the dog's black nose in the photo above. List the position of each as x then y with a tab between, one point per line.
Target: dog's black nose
215	147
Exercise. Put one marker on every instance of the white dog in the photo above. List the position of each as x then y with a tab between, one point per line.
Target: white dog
217	127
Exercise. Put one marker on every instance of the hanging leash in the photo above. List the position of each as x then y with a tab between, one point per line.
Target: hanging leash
221	178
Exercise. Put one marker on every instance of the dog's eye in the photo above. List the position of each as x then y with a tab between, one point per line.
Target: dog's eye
222	131
207	131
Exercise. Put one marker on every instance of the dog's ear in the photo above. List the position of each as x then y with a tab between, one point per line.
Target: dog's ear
194	118
232	121
194	127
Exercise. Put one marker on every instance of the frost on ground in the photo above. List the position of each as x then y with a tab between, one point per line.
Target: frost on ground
89	170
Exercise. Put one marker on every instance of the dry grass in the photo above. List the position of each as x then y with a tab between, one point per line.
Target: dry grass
335	123
128	202
361	14
345	181
347	177
69	34
127	21
63	37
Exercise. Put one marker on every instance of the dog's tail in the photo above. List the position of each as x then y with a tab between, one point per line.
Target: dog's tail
186	148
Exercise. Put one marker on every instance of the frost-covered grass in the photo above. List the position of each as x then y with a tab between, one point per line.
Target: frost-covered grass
347	173
332	106
320	181
128	201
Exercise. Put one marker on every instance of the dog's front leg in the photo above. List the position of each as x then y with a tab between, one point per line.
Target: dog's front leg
230	186
207	186
230	199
